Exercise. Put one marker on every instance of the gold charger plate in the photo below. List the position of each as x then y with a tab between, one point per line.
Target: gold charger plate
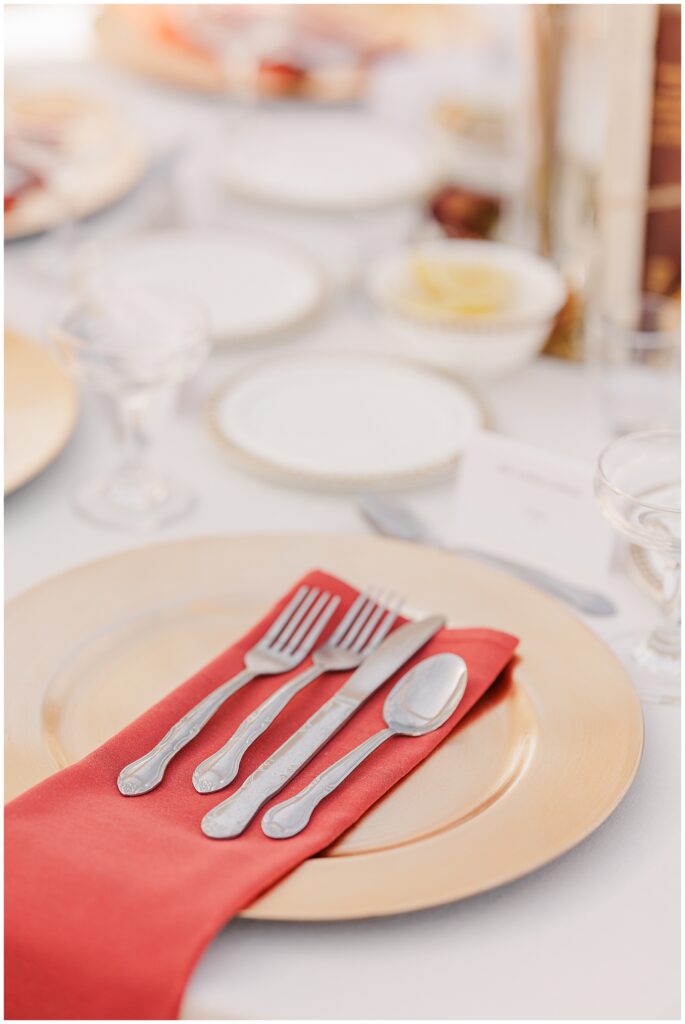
41	407
141	38
101	165
536	766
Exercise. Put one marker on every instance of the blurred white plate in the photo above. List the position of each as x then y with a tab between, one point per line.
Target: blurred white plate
329	161
249	286
474	346
343	420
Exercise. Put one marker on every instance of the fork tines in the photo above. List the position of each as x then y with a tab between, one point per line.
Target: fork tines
363	618
304	618
301	622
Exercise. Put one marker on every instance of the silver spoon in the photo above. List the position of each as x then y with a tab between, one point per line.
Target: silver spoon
422	700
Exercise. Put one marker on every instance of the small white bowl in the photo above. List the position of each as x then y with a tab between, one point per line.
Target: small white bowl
475	346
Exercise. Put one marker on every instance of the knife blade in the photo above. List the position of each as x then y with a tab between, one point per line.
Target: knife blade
232	816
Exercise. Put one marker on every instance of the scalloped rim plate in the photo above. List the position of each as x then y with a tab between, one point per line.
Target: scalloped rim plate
252	417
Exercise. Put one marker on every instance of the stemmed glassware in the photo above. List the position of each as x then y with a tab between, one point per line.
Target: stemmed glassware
637	484
636	355
134	347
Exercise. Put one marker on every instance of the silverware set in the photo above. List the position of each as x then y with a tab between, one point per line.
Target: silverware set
363	640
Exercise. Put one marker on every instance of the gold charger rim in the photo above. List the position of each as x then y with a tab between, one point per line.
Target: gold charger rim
33	467
131	166
132	47
430	867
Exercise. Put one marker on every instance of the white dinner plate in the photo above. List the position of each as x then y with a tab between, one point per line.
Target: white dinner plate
344	420
332	161
250	286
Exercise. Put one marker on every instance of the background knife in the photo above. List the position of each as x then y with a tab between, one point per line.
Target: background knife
232	816
395	520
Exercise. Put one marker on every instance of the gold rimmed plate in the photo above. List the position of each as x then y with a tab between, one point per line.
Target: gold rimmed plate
41	407
531	771
352	162
390	422
251	286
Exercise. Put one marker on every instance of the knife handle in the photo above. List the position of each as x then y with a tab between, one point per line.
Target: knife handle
290	816
232	816
221	767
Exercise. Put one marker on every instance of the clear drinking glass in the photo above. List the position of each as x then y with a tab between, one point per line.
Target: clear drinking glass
637	484
134	347
637	348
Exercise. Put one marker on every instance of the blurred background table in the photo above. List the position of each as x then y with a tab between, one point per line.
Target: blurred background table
596	932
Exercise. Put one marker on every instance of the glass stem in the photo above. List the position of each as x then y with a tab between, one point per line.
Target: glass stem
665	639
132	413
136	484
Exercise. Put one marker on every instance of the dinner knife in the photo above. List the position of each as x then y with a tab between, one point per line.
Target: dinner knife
232	816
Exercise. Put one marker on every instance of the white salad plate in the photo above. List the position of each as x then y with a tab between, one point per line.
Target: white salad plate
333	161
342	421
249	286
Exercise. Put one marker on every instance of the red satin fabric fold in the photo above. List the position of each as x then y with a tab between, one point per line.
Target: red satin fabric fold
110	901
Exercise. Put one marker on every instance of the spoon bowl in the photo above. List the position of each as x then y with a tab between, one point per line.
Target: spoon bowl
426	696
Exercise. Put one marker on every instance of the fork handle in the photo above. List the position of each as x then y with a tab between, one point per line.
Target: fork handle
148	771
290	816
220	768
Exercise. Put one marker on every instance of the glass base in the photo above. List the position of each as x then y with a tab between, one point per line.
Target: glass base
133	498
655	673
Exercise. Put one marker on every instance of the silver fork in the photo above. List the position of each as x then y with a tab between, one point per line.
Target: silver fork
359	633
283	647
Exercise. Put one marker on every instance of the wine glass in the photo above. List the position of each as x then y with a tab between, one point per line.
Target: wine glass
637	349
134	347
637	484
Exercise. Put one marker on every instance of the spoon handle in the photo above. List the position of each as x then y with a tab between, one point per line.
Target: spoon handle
289	817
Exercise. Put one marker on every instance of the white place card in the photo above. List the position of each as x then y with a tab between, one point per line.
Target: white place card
532	506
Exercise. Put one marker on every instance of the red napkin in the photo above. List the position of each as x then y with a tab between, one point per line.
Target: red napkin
111	900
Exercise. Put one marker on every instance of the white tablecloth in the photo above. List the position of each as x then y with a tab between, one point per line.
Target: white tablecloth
593	935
